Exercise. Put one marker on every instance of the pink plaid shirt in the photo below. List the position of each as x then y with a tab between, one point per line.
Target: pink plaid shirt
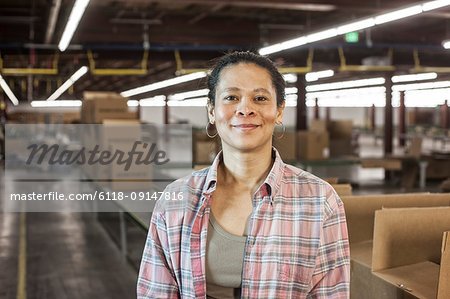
297	244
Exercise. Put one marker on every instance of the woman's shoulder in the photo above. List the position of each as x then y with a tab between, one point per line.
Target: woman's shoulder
183	193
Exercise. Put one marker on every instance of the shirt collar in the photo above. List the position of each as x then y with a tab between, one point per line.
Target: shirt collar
273	179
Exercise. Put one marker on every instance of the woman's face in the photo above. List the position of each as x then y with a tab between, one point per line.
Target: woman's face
245	111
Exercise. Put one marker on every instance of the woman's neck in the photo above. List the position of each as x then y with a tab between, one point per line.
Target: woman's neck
245	169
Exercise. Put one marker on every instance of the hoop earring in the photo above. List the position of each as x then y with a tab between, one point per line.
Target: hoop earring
283	131
207	130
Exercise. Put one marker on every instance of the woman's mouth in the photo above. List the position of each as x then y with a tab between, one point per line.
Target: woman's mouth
246	127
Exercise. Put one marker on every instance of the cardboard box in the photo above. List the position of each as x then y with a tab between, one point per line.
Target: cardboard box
438	167
90	95
341	148
342	189
407	248
205	152
286	146
415	148
360	210
118	135
340	129
204	148
97	106
318	125
331	180
388	164
312	145
444	271
360	214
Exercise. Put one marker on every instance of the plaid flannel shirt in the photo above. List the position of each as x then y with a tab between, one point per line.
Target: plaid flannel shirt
297	244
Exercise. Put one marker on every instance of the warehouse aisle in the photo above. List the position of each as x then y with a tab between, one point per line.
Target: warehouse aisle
61	255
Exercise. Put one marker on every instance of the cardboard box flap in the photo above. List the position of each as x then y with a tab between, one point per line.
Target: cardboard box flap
360	210
362	252
343	189
89	95
408	236
418	279
444	272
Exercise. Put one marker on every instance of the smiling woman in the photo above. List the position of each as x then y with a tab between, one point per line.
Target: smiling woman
250	225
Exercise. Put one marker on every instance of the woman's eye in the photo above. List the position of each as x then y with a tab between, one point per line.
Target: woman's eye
259	99
230	98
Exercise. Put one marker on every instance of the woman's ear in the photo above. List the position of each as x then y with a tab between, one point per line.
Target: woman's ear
211	115
280	111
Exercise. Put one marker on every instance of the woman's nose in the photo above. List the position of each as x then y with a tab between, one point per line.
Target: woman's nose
245	107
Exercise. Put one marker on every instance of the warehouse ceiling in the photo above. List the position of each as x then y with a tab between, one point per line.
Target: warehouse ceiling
188	34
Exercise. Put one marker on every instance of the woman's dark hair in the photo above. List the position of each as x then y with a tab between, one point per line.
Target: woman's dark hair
246	57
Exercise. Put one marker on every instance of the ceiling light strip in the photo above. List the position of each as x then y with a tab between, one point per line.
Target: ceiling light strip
416	86
8	91
74	19
346	84
414	77
355	26
163	84
77	75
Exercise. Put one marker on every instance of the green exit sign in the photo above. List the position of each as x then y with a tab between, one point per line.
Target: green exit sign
352	37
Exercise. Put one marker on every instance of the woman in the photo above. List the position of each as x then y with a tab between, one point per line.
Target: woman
249	225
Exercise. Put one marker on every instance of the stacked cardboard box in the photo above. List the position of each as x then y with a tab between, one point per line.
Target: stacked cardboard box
205	148
286	145
340	138
98	106
118	135
313	144
360	214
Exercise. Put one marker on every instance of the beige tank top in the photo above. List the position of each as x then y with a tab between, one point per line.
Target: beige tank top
224	262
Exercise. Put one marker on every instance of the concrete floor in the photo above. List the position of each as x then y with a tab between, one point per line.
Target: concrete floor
60	255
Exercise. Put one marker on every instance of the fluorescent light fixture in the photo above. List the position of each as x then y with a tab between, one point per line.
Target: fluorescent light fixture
434	97
446	44
284	45
77	75
398	14
415	86
414	77
132	103
163	84
291	100
290	78
346	84
75	16
435	4
196	102
329	33
355	26
189	94
290	90
314	76
358	25
52	104
8	91
346	92
354	97
156	101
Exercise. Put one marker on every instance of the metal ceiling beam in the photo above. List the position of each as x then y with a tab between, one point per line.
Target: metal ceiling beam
284	4
54	11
